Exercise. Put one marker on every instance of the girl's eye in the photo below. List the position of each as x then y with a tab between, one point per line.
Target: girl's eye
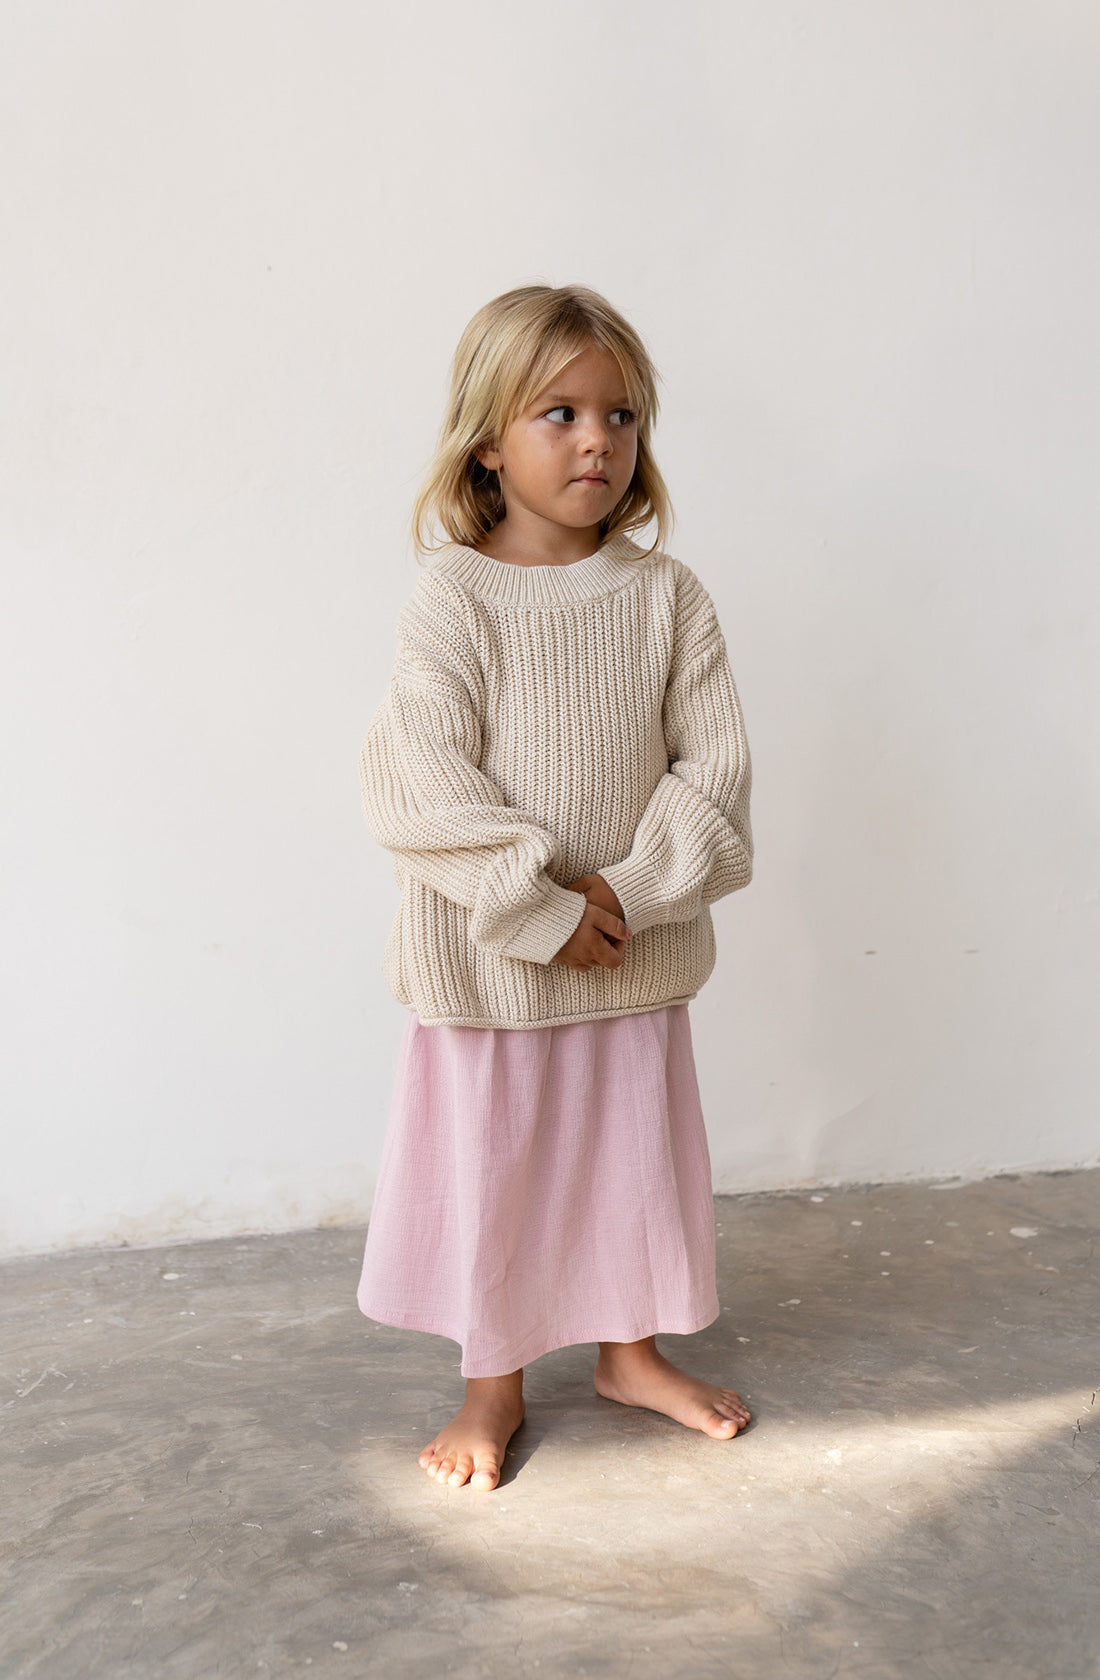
619	416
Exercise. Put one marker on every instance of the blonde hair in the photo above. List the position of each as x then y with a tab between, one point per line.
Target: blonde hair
510	351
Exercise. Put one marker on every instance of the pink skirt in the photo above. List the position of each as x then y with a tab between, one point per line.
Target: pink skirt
545	1186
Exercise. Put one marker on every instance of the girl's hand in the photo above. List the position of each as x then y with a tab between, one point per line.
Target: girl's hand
597	891
601	935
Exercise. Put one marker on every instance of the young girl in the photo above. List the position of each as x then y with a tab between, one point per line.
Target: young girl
559	769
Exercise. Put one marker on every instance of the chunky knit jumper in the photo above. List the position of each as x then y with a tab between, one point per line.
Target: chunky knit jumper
542	723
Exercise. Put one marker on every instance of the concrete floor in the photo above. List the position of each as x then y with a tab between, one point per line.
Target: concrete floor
211	1464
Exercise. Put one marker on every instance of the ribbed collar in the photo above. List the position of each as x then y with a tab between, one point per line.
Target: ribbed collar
613	565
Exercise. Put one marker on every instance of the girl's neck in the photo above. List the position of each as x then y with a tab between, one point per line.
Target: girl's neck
530	548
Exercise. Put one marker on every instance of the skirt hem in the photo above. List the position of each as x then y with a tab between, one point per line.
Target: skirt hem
561	1339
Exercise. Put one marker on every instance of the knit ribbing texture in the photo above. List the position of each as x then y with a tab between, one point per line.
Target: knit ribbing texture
542	723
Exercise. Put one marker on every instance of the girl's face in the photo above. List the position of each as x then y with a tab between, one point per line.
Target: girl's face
569	457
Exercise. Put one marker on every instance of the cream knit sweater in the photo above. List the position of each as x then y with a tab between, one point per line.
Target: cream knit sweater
542	723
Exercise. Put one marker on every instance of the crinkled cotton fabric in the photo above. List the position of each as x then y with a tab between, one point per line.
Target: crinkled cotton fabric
542	1187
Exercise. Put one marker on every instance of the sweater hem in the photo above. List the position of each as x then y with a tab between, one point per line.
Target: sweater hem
548	1021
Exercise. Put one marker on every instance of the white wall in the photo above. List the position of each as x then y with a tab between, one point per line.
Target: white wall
240	241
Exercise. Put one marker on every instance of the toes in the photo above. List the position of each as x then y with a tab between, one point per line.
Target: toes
728	1415
735	1406
453	1468
487	1473
461	1470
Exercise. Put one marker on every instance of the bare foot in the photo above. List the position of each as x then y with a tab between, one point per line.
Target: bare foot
635	1374
471	1447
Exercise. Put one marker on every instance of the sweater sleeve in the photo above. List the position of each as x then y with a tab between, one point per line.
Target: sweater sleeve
427	802
693	843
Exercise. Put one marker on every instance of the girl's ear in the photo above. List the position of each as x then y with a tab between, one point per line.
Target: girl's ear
488	456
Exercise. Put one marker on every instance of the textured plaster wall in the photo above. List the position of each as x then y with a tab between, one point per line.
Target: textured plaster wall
240	243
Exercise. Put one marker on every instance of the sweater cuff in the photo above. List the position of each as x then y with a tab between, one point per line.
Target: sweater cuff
546	929
637	890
